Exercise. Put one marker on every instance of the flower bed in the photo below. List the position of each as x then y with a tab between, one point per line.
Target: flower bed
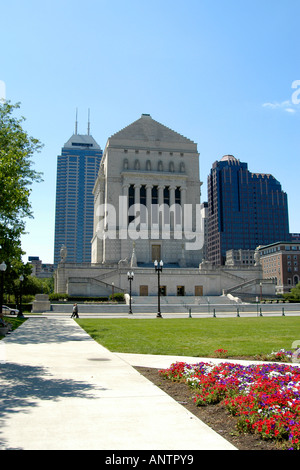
265	398
278	356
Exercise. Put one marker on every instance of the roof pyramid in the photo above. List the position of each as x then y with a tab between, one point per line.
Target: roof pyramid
148	130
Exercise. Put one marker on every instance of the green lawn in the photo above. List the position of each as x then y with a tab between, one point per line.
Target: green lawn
195	337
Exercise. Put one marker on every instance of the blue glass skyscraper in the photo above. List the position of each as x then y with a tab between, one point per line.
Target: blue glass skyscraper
245	209
77	169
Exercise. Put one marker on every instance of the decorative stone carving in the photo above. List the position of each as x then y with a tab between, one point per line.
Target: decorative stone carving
257	256
133	262
63	253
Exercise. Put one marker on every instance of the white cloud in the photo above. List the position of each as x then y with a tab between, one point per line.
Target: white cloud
286	106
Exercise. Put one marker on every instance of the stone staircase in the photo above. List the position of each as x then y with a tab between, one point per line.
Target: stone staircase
169	304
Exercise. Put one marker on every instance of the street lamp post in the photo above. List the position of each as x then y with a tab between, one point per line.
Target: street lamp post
130	277
260	285
2	269
158	269
20	314
112	290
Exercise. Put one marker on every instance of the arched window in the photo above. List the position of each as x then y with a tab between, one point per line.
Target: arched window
171	167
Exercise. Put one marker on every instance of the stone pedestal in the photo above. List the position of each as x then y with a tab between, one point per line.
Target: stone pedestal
41	303
4	330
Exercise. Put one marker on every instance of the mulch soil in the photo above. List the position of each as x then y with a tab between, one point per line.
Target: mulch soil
215	416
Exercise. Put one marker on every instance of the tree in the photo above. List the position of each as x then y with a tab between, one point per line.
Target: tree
294	294
16	176
295	291
16	172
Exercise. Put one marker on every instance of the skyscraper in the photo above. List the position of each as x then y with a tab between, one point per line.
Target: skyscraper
77	169
245	209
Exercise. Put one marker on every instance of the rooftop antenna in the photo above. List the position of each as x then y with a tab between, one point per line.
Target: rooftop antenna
88	129
76	124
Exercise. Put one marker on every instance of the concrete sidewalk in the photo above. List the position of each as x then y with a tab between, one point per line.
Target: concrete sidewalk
62	390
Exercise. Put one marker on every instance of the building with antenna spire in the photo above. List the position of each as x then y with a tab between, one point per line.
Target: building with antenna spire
77	169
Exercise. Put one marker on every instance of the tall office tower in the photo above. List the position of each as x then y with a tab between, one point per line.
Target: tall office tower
77	169
245	209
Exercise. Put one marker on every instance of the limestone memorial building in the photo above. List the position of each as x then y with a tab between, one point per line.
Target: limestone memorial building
147	208
148	192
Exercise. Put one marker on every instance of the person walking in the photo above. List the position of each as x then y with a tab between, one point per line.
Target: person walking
75	311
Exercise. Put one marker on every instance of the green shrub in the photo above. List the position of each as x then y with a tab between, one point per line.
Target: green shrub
58	296
88	299
118	297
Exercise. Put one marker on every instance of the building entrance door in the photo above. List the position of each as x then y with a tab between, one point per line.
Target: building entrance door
163	290
143	290
156	253
198	291
180	290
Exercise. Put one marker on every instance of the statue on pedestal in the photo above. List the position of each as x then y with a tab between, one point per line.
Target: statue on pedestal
63	253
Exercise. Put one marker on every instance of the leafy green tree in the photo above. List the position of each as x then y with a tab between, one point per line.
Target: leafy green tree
294	294
16	177
295	291
16	172
34	285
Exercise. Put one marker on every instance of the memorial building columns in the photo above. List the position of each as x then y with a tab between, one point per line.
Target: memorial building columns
144	197
160	195
148	202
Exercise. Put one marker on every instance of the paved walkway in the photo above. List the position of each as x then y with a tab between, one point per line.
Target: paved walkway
62	390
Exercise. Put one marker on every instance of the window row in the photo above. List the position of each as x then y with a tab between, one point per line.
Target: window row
170	167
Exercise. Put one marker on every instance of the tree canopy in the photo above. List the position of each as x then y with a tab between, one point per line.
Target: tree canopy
295	291
16	176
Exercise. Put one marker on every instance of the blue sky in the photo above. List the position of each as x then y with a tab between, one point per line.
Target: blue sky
219	72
